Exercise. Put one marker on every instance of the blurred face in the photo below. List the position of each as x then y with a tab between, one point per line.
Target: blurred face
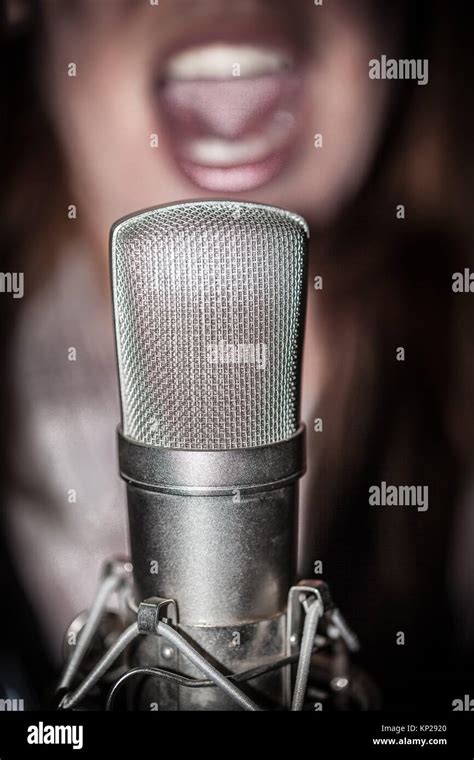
264	100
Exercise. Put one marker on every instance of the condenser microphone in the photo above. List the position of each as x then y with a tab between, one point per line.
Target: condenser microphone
209	300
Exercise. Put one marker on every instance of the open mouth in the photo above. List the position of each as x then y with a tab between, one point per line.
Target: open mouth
233	108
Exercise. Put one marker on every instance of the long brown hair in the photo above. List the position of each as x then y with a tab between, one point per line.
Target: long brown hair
388	285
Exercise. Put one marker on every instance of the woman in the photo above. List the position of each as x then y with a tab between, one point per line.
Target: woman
115	106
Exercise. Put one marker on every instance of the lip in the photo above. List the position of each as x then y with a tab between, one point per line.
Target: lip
233	134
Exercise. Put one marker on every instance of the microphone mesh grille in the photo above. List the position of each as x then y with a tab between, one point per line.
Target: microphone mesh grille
209	310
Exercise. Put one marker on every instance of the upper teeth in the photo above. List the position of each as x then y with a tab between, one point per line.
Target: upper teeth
222	61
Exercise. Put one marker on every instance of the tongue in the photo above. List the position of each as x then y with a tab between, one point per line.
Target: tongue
227	108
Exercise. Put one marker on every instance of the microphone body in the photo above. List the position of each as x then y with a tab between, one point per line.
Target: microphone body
209	312
227	558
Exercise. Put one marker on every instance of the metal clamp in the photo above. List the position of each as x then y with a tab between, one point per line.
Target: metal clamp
301	599
298	600
155	610
116	575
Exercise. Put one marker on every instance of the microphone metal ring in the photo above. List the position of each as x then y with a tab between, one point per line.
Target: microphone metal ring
198	472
